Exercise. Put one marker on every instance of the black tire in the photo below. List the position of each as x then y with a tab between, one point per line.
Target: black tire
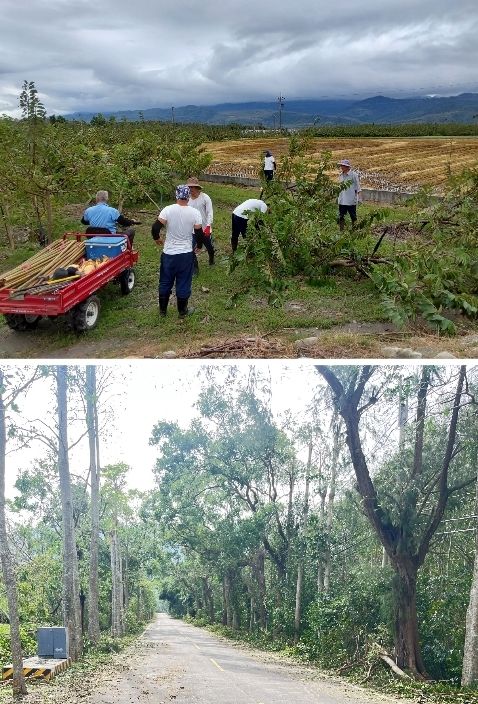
85	315
127	280
20	322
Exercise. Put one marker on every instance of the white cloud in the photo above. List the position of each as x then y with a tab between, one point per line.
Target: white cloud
90	57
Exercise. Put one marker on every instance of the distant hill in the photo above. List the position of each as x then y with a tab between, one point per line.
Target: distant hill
300	113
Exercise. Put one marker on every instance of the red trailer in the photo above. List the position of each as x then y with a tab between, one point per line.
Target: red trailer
76	299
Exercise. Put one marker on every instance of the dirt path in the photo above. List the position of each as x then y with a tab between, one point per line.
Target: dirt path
175	662
352	341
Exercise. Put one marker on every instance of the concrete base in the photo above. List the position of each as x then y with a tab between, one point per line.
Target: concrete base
39	668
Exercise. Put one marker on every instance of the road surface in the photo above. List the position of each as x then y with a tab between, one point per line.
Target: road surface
176	662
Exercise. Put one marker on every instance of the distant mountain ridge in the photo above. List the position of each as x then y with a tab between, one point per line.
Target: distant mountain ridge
300	113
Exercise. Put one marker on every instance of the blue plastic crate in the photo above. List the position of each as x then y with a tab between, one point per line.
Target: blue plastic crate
98	247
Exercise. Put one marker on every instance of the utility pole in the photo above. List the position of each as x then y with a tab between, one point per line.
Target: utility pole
172	115
280	100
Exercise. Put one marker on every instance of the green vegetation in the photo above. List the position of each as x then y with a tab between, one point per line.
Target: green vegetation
295	270
236	571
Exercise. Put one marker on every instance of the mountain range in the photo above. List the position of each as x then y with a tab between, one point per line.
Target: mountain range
300	113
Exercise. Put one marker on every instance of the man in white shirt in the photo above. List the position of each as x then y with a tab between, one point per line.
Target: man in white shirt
240	217
177	257
202	202
269	166
350	195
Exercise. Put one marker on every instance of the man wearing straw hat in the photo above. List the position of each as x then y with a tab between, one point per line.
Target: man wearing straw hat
177	258
202	202
349	196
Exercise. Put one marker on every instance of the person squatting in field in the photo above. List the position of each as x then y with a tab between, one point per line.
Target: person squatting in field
269	166
102	219
202	202
240	218
177	258
350	195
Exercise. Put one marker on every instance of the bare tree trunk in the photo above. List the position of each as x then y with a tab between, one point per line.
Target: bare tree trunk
224	600
259	573
407	648
320	564
301	562
49	216
8	571
125	581
117	626
4	211
208	599
228	598
469	675
91	421
71	583
336	425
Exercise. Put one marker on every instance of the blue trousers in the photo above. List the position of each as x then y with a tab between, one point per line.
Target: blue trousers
176	268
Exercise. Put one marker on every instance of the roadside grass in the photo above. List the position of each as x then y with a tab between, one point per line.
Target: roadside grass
221	309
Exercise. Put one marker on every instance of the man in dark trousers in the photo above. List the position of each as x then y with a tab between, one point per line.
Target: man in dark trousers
350	195
240	216
177	258
102	219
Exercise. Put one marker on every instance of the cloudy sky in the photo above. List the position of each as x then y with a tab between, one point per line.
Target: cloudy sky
136	54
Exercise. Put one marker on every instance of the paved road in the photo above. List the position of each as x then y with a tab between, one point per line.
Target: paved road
181	663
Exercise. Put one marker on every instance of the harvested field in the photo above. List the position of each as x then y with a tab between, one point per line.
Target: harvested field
385	163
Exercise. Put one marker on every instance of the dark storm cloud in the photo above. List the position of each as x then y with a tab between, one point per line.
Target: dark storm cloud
84	55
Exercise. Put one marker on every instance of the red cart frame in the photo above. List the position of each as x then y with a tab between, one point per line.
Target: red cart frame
73	294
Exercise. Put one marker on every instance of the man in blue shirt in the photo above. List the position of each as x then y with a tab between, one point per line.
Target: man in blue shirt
102	219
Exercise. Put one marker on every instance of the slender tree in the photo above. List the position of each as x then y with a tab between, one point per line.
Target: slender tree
93	442
302	546
469	675
71	585
8	570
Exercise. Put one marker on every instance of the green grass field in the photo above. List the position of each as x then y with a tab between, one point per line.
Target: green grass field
130	325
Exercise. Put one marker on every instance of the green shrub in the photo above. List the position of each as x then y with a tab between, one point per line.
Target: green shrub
342	625
28	639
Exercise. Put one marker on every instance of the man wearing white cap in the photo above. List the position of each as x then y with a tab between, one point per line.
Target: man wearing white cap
349	196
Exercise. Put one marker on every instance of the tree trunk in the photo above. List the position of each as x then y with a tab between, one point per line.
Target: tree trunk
227	587
469	675
336	425
208	599
49	217
224	601
124	573
407	648
91	421
71	584
117	625
321	561
260	576
8	571
4	211
302	548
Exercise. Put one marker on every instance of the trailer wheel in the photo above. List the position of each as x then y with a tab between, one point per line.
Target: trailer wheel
127	280
85	315
20	322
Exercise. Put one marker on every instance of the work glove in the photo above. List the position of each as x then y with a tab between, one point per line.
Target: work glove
207	230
